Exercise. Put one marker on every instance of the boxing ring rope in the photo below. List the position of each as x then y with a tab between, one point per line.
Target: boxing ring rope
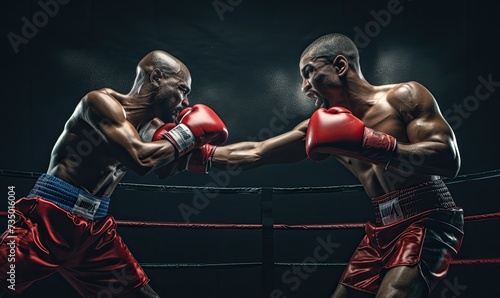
253	190
212	226
267	224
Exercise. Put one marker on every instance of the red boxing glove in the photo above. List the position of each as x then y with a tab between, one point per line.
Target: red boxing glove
205	124
338	131
198	125
200	159
158	135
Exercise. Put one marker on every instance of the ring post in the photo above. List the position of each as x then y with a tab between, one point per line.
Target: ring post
267	241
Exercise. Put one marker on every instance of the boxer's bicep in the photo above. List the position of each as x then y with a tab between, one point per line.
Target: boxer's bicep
427	123
108	118
430	138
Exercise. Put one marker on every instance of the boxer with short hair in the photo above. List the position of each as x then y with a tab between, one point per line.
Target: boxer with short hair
375	132
63	225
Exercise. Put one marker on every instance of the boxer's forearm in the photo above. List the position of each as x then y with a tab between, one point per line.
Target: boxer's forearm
285	148
426	158
173	168
244	155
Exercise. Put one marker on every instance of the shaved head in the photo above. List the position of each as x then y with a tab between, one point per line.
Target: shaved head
161	60
332	45
157	59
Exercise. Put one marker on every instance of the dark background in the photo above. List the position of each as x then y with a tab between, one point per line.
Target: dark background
244	64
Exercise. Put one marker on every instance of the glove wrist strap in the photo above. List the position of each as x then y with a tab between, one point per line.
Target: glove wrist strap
378	146
182	138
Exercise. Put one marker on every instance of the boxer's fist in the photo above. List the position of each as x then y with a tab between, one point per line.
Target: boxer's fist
198	125
158	135
200	159
338	131
205	124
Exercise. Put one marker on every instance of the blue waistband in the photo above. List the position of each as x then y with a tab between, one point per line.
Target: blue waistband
70	197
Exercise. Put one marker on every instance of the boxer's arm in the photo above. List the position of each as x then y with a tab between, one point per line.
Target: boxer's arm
107	117
285	148
432	148
173	168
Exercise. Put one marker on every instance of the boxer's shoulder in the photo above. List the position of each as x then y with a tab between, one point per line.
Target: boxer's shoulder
103	103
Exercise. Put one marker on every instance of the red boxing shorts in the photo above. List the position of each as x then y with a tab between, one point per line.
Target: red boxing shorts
89	254
420	225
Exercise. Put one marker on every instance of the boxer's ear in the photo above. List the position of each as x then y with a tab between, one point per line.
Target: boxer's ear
155	77
341	65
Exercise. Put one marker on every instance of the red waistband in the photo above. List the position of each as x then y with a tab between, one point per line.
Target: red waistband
404	203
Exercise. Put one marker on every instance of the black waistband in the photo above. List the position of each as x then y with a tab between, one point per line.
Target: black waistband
404	203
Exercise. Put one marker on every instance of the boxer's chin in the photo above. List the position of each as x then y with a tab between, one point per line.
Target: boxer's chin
326	104
171	116
173	119
321	103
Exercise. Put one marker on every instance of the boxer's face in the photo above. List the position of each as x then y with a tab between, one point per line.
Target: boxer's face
172	95
318	79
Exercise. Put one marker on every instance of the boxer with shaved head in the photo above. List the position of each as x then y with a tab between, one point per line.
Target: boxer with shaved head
63	225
